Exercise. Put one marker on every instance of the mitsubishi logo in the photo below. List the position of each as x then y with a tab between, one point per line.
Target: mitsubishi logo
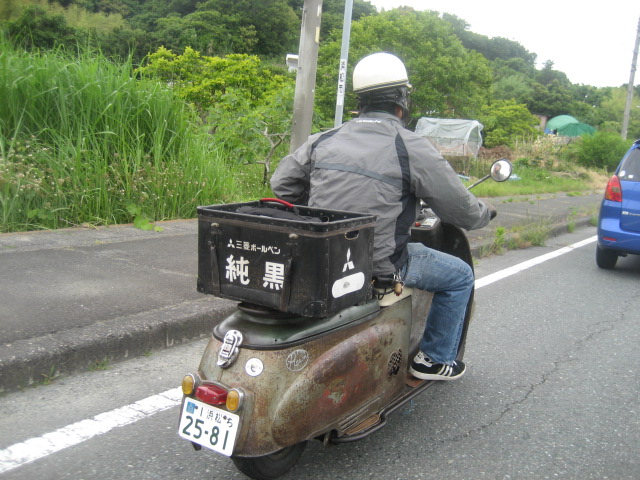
349	264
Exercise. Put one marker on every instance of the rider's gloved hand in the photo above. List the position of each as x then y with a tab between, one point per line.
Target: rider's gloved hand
492	210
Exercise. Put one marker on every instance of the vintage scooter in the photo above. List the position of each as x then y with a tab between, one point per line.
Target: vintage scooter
271	379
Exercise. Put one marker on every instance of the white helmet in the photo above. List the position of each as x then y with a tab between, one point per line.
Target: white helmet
379	71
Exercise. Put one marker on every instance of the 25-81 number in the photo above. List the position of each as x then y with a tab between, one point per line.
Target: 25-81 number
214	438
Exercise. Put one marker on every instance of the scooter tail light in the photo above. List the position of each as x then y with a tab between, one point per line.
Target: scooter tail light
613	191
211	394
189	384
233	400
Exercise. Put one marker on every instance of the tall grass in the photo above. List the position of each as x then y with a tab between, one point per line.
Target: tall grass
81	140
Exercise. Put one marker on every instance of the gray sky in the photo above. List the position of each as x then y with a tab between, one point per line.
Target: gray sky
591	42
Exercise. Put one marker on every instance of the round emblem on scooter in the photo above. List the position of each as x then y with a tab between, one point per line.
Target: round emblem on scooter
254	367
297	360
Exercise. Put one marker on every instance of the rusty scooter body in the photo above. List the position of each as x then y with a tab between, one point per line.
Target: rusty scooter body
269	380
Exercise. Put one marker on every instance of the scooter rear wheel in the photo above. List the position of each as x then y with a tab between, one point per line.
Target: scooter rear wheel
269	467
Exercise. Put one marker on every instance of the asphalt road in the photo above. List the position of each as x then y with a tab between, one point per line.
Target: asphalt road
71	298
552	391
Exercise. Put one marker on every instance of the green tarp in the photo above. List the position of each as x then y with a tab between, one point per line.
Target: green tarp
567	126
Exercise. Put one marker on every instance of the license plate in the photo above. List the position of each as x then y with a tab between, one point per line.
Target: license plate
208	426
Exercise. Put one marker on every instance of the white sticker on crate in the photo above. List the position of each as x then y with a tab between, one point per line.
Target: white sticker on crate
349	284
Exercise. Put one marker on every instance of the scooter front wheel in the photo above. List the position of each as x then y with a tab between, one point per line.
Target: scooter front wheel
269	467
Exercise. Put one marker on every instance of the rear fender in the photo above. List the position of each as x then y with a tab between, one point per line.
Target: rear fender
350	381
325	384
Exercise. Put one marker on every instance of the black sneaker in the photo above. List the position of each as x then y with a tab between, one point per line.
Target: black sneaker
424	369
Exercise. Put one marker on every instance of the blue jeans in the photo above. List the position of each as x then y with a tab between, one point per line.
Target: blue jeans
451	280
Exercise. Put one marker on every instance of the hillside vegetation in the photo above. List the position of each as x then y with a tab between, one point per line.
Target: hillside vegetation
131	110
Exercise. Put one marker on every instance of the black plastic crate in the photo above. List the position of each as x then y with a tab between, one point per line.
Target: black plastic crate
308	268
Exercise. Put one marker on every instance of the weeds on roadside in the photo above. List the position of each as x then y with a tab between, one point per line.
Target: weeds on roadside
524	236
571	220
499	241
535	234
141	219
99	365
50	377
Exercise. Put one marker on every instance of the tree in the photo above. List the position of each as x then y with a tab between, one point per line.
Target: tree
100	6
245	105
273	23
204	81
504	121
35	28
333	14
10	9
218	27
612	108
448	80
492	48
124	42
517	87
550	100
548	75
505	68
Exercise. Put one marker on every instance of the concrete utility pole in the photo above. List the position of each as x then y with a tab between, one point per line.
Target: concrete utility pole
627	107
306	75
344	60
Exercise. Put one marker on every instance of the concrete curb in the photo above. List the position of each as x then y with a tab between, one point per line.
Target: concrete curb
40	360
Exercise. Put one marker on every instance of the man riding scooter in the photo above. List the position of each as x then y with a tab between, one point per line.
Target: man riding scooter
373	165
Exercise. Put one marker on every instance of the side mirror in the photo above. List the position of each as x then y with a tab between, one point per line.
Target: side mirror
501	170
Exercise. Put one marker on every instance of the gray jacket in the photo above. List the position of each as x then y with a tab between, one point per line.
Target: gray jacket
374	165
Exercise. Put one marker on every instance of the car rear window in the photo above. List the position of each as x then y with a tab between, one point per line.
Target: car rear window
630	168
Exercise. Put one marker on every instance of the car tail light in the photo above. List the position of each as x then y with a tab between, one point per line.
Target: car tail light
211	394
613	191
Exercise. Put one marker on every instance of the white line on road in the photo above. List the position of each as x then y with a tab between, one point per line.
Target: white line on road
507	272
39	447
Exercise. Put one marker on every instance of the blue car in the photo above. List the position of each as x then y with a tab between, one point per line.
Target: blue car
619	222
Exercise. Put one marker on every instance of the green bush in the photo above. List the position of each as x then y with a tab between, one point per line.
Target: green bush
245	103
204	81
602	150
38	28
504	121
